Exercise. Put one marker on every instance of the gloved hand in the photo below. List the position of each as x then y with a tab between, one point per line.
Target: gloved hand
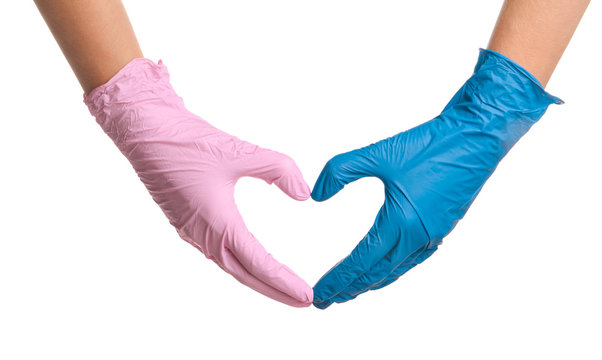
432	173
190	169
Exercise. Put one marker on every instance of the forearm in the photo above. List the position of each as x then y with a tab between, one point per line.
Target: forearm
95	36
535	33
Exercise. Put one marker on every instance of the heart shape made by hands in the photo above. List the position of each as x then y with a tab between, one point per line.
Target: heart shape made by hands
309	236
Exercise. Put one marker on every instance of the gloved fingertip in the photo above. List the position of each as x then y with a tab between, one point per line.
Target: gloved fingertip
294	186
302	292
321	305
303	195
317	195
289	179
309	296
328	183
317	192
320	299
320	193
300	300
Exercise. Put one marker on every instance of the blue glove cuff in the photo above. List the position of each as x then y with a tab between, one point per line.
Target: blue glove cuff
512	76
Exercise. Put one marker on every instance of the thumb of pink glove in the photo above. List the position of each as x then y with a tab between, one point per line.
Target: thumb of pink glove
190	169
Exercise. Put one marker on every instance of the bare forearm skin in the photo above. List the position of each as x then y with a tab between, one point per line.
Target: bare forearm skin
95	36
535	33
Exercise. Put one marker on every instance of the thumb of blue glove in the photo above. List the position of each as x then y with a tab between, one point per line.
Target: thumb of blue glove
432	174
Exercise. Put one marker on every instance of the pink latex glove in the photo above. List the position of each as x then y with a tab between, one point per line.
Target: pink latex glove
190	169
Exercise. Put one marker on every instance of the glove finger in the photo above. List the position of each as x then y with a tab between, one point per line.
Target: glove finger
259	264
383	273
381	239
342	170
409	239
233	266
277	168
224	258
402	269
224	238
414	242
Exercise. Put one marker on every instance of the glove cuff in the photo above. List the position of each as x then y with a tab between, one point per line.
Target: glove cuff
136	80
132	100
508	84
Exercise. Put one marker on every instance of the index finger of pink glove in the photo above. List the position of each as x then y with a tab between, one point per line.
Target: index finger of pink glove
259	265
232	265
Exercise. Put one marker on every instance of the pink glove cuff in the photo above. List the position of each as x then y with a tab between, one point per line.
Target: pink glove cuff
138	76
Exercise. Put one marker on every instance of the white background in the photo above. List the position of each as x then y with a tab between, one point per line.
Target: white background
91	269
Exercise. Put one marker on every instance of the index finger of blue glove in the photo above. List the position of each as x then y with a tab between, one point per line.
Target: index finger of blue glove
401	228
381	275
403	268
380	240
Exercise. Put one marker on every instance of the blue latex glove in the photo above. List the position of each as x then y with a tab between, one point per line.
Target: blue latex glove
432	173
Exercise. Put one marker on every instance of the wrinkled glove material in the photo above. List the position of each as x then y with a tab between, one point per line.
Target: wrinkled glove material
190	169
432	174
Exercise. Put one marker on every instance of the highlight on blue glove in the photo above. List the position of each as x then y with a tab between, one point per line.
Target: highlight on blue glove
432	173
